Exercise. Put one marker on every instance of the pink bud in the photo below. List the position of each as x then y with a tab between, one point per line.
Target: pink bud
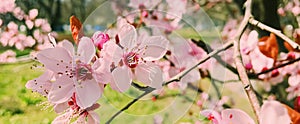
99	39
199	103
275	73
248	66
291	56
145	13
264	69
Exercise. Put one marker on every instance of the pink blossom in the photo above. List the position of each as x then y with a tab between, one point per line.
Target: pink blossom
296	10
29	24
29	41
19	13
281	11
33	13
74	73
131	54
7	6
8	56
46	27
36	34
12	26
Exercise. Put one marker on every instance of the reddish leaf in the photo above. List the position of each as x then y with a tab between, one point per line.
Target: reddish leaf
289	47
76	28
268	46
295	116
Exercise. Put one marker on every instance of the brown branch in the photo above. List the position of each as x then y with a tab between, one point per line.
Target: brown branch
129	104
239	64
279	66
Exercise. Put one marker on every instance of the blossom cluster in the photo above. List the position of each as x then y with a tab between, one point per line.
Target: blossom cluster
25	31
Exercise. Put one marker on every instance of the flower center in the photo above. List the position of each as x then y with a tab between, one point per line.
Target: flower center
131	59
83	72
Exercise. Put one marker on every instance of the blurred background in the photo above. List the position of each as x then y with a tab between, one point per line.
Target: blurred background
24	28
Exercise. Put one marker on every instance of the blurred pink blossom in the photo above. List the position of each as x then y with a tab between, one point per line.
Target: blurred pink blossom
19	13
7	6
33	14
8	56
29	24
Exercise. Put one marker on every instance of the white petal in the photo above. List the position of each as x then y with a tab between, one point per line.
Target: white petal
236	116
122	78
68	45
149	74
55	59
127	36
61	107
88	92
93	118
273	112
86	50
155	48
62	90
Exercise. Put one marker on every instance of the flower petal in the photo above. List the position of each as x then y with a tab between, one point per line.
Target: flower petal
236	116
63	118
215	116
155	48
62	90
69	46
41	84
61	107
86	50
149	74
88	92
93	118
122	78
127	36
55	59
273	112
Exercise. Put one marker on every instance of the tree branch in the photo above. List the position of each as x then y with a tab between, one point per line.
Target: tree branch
179	76
129	104
239	64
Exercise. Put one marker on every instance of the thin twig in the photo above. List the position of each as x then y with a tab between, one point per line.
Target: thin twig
191	86
239	64
129	104
213	82
185	72
255	76
276	32
207	48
